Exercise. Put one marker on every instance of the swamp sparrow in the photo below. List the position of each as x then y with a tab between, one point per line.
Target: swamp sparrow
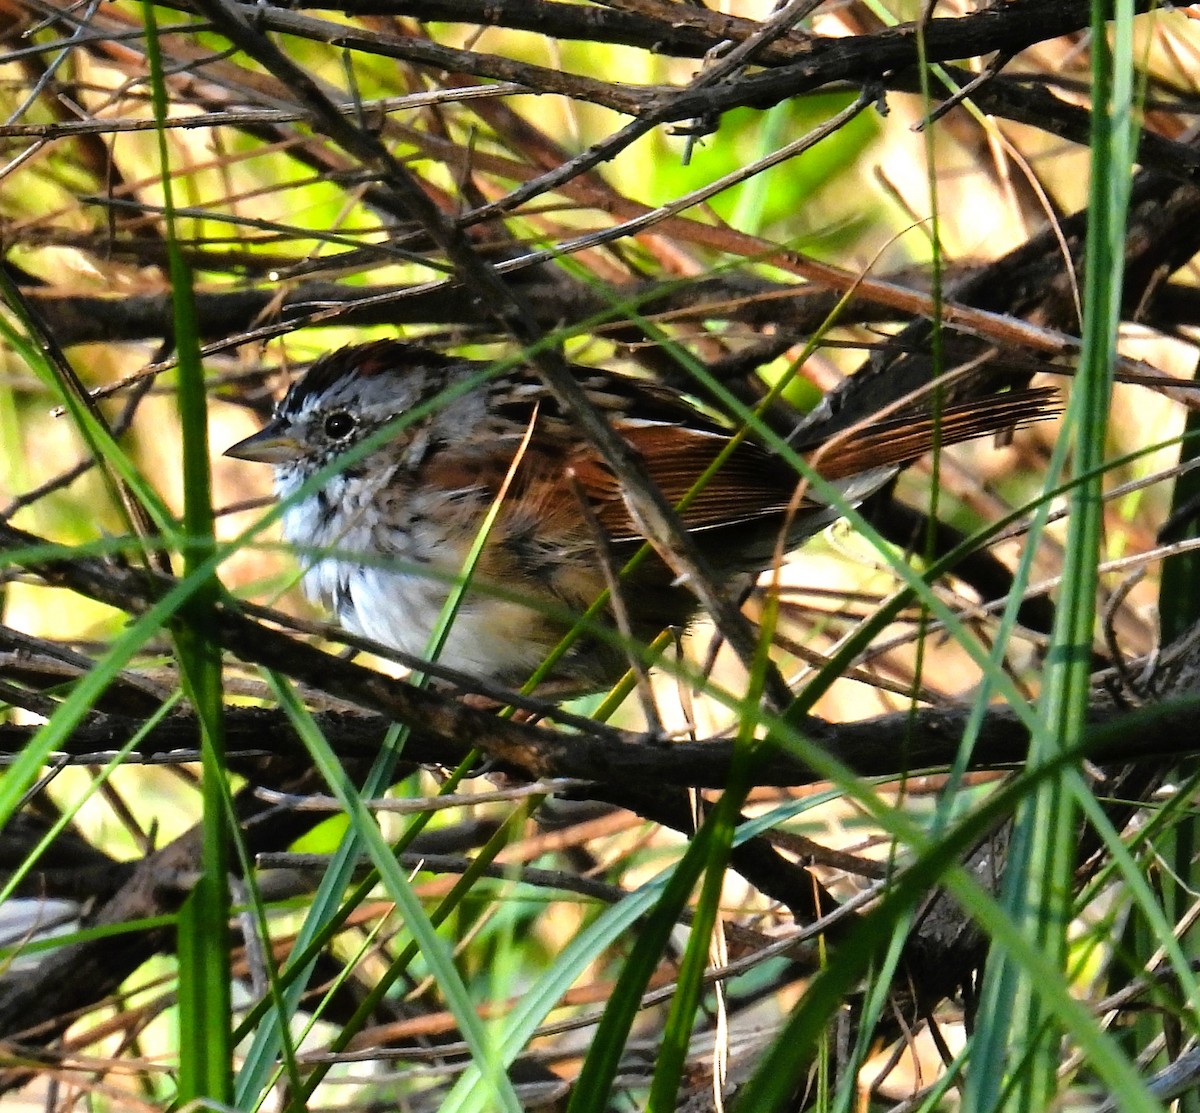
386	534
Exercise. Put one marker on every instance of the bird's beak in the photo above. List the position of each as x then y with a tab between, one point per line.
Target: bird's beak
270	445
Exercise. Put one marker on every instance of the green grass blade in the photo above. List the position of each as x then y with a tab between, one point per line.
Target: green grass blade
1017	1022
591	1091
205	1064
681	1017
937	862
434	949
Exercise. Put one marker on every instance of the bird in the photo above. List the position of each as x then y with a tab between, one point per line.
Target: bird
413	446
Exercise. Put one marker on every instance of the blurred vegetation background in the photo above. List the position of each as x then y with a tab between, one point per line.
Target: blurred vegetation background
848	196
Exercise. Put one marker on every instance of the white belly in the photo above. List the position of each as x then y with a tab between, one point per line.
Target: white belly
401	610
398	601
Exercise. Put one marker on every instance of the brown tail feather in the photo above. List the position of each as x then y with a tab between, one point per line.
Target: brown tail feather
900	440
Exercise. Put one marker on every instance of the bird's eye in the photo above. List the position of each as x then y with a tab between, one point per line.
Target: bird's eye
339	425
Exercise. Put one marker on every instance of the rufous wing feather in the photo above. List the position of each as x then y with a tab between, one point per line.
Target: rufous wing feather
749	483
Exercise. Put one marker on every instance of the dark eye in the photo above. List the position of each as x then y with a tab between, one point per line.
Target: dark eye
339	425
